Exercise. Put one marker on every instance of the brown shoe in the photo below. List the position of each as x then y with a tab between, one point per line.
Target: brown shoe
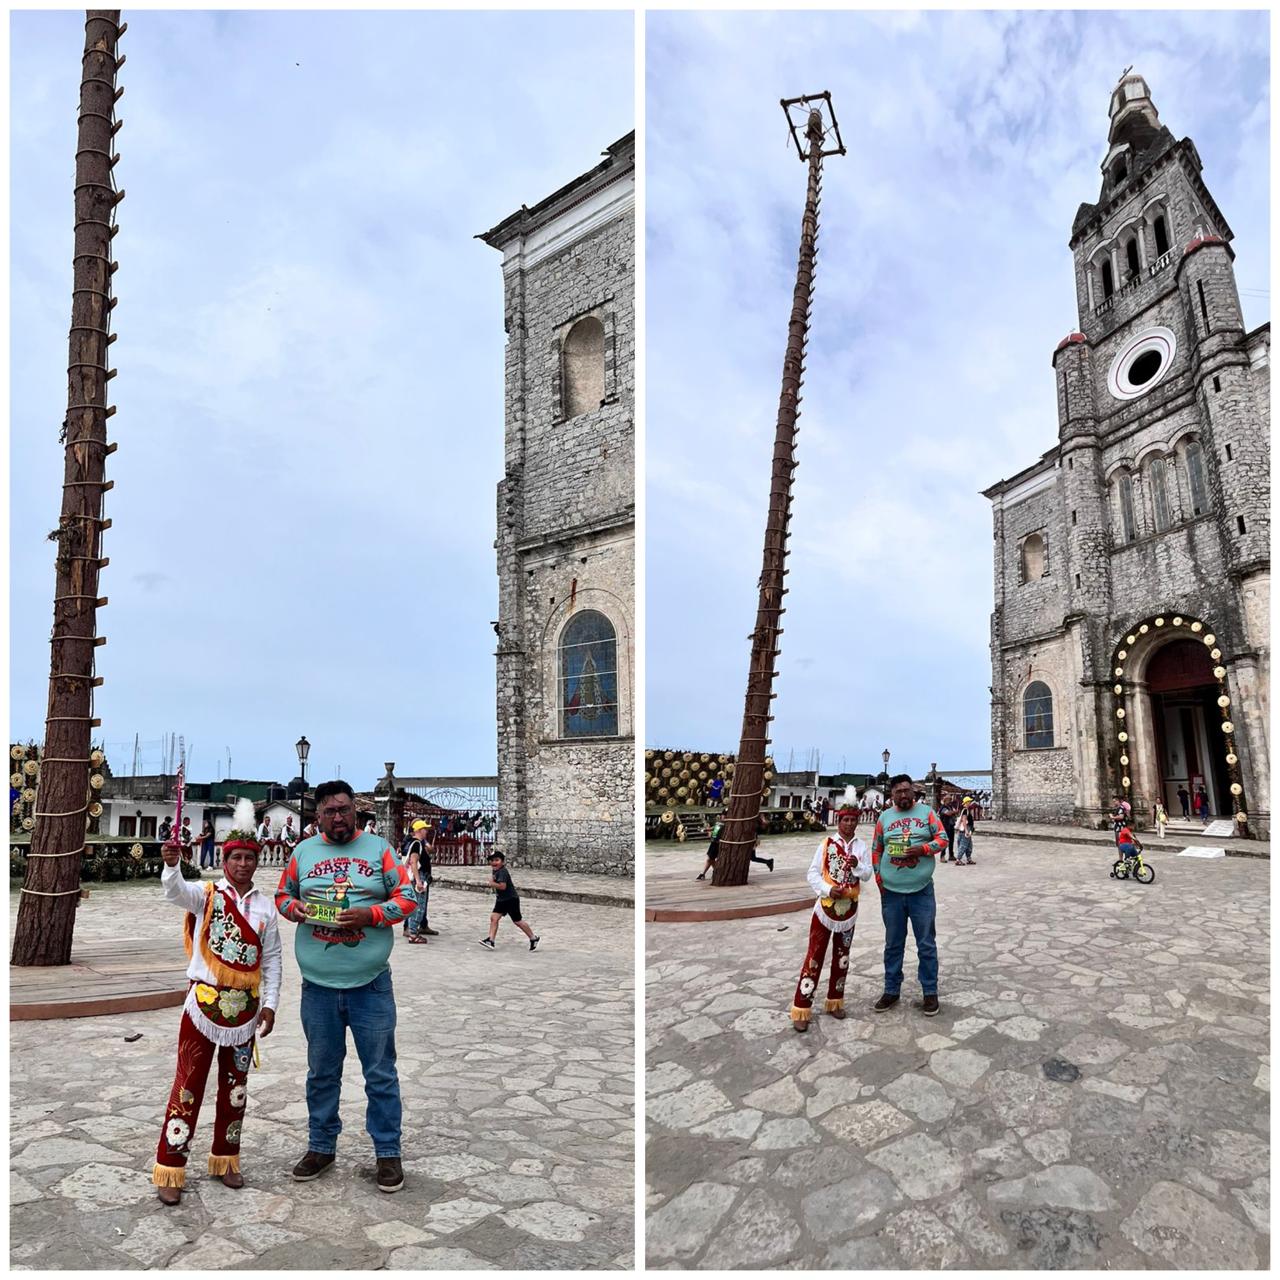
800	1026
169	1195
233	1178
390	1176
312	1165
837	1013
431	933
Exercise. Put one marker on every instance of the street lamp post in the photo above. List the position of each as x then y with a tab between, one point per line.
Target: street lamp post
884	755
304	750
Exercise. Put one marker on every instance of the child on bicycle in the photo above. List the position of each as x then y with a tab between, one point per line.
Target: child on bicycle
1127	843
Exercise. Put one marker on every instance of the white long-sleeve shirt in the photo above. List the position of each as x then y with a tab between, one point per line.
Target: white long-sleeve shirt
822	887
257	907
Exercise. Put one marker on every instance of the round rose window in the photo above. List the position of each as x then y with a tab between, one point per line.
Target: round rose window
1141	363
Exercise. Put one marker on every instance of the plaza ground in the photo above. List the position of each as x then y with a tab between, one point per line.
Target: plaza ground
1094	1093
516	1073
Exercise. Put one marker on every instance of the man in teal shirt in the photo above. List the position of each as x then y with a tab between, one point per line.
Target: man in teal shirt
908	839
346	892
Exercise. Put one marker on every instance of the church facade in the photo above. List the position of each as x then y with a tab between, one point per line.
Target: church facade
1130	647
566	525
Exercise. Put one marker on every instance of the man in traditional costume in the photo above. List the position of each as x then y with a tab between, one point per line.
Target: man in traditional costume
835	875
232	938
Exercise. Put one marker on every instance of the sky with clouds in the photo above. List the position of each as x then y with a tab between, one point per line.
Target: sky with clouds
310	363
944	282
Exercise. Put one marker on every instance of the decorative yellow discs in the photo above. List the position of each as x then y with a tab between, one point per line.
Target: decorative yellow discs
1142	630
1118	688
1131	639
1236	789
1177	622
1228	727
1159	622
96	780
1224	701
1197	626
1124	781
1242	816
1124	653
1210	640
1124	760
1219	672
17	753
1119	713
1232	758
1119	671
1215	654
1124	737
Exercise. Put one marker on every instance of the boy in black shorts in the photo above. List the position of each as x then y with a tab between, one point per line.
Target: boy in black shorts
507	903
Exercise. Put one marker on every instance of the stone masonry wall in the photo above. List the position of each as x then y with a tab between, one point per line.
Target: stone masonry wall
566	543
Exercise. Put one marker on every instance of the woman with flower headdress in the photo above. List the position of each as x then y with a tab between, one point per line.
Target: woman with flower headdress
232	938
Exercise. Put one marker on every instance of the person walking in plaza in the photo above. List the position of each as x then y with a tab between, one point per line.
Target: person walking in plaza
419	864
713	849
507	903
1184	799
232	940
964	832
908	838
207	845
839	866
949	822
1161	818
346	891
1202	803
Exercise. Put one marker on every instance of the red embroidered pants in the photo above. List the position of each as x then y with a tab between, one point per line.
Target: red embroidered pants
802	1005
195	1056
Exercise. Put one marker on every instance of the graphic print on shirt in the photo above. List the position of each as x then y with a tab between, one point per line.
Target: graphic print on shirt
898	837
329	882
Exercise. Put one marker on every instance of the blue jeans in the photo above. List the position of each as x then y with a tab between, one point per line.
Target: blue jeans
370	1012
921	909
418	921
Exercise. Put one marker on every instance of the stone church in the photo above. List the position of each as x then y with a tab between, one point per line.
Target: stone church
566	525
1129	643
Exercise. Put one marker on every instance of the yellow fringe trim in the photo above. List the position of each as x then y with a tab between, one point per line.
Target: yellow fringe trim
832	1005
800	1015
218	1165
168	1175
227	976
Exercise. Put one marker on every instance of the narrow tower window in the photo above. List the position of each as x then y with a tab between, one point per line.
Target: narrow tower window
1127	522
1108	285
583	367
1195	477
1131	253
1204	311
1162	236
1034	559
1240	523
1159	495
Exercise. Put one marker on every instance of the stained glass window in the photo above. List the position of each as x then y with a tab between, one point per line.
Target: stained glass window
588	677
1037	715
1126	507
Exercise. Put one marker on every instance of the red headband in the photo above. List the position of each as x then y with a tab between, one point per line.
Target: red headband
241	842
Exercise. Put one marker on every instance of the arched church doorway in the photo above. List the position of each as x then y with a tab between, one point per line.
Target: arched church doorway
1185	720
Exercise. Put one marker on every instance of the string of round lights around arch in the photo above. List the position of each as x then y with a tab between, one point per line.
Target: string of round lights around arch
1121	689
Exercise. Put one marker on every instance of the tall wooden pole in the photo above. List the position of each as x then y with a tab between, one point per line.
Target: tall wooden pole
738	839
47	908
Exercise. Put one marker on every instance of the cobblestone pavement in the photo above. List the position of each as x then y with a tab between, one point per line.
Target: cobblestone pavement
1094	1093
517	1074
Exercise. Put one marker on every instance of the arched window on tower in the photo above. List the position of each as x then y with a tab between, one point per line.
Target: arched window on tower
1162	235
1160	495
1037	715
588	677
1119	171
1195	478
1128	525
583	367
1131	256
1035	558
1108	284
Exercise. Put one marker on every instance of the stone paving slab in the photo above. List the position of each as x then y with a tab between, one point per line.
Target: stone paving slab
1094	1093
517	1074
533	882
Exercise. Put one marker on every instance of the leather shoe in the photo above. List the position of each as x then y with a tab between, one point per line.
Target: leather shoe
169	1195
886	1001
312	1165
234	1179
390	1173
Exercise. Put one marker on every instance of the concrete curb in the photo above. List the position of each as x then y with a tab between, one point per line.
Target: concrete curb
1239	850
591	897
